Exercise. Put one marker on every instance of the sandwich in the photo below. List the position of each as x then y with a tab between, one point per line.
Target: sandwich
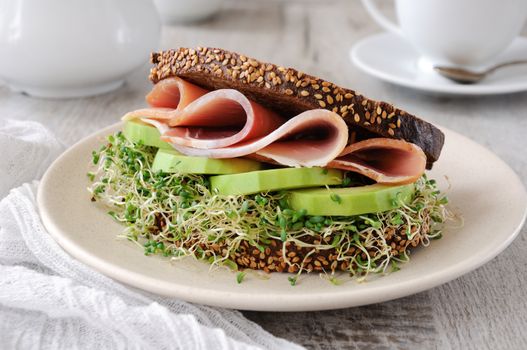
250	165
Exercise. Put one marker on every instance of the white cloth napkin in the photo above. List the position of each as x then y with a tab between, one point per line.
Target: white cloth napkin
27	149
50	301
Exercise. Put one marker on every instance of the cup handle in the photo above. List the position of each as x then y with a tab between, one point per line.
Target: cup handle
384	22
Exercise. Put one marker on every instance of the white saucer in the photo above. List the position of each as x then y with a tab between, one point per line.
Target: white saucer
390	58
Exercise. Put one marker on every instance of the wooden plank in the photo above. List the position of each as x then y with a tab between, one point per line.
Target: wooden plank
408	323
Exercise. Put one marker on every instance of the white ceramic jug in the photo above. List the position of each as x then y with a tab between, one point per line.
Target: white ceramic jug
72	48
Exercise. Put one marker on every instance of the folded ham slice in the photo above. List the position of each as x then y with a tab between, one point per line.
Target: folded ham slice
202	125
226	124
168	98
312	138
383	160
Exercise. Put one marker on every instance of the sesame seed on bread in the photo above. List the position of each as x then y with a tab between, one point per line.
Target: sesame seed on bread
290	92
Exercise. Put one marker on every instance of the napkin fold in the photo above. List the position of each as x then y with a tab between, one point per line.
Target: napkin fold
28	148
48	300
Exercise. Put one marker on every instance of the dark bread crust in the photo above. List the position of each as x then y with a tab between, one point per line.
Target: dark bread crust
290	92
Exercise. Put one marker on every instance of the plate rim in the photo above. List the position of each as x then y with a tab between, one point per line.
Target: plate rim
452	90
277	302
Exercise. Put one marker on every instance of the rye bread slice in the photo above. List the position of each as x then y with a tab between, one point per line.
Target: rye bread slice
290	92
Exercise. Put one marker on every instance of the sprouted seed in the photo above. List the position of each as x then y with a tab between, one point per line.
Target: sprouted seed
240	276
177	215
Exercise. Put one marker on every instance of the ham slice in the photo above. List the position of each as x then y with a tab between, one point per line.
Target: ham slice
201	125
193	114
383	160
168	98
226	124
312	138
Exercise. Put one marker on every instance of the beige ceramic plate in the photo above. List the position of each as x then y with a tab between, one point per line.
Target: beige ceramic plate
485	190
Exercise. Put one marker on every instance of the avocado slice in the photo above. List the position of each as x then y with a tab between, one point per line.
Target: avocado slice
351	200
136	130
171	161
275	179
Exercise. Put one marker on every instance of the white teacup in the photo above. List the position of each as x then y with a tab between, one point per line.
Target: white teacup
464	33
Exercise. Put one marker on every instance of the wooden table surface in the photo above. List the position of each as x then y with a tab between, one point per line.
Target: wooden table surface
485	309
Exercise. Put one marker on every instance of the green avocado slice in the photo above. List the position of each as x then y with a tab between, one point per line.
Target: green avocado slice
275	179
171	161
352	200
136	130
